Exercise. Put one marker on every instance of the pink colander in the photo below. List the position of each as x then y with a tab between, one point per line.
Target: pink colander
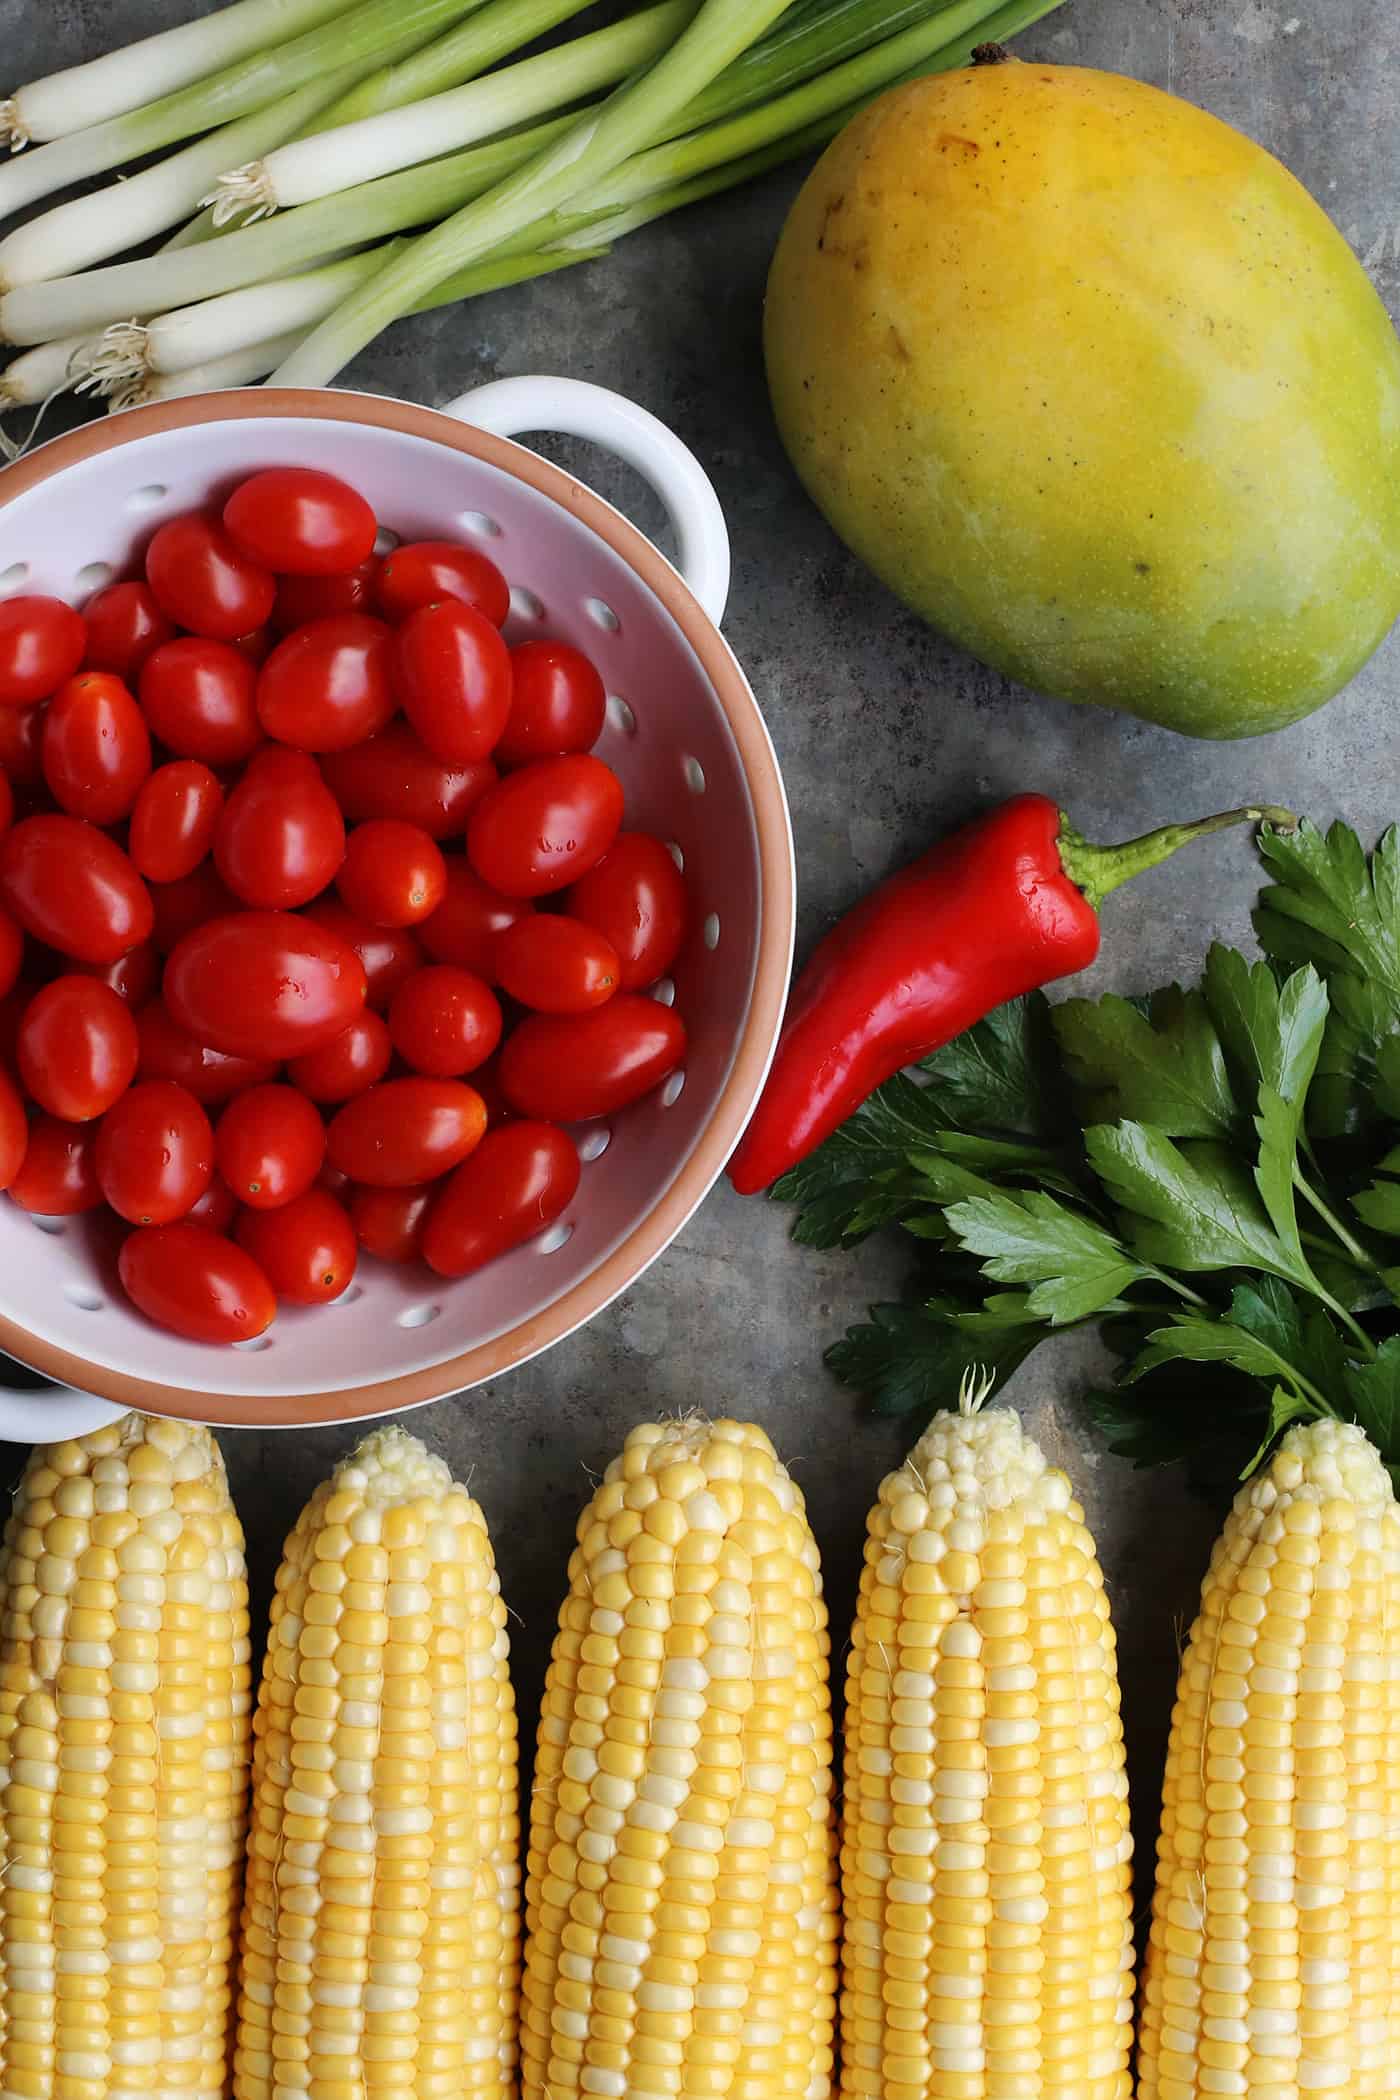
684	733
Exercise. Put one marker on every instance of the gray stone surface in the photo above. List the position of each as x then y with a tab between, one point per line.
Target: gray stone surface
887	735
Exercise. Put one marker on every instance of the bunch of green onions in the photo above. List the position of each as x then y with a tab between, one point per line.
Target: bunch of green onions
340	163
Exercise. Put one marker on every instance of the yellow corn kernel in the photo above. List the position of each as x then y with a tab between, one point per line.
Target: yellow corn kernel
381	1940
1274	1921
124	1748
680	1896
986	1854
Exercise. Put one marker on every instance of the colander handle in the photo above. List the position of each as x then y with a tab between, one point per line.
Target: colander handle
536	402
47	1414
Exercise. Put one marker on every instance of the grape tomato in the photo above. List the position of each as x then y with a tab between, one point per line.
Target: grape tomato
200	699
300	522
346	1065
452	673
280	837
71	886
519	1179
544	826
393	874
444	1021
58	1175
134	977
263	984
41	643
196	1283
395	775
204	582
557	703
389	1222
423	571
565	1068
168	1051
124	624
556	965
187	902
405	1131
21	741
96	748
636	897
327	685
305	1248
387	954
77	1048
174	820
155	1154
303	598
269	1145
465	926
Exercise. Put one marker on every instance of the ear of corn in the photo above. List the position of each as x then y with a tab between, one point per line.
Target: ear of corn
986	1855
680	1894
1276	1920
124	1712
380	1935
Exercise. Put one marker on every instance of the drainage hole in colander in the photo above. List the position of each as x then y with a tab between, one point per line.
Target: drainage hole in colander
709	932
85	1299
694	775
556	1237
673	1089
54	1226
351	1292
418	1315
12	578
664	991
385	540
602	614
594	1143
677	854
621	715
147	498
478	522
255	1341
93	575
524	604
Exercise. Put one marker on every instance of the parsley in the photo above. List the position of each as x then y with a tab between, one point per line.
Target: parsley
1211	1175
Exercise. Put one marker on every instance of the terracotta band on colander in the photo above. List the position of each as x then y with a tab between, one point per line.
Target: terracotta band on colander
774	944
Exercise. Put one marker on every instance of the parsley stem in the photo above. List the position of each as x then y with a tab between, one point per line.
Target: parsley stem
1097	870
1174	1283
1334	1224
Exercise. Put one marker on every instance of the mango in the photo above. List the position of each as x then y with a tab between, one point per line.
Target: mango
1091	381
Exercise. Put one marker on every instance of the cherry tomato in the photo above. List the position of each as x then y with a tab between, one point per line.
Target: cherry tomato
405	1131
14	1130
96	747
444	1021
204	582
636	898
281	836
58	1177
11	953
21	746
393	873
7	804
77	1048
263	984
269	1145
200	699
300	521
124	624
567	1067
557	703
70	885
387	954
346	1065
306	1249
452	672
426	570
134	977
466	925
389	1222
174	820
217	1207
556	965
169	1051
303	598
196	1283
394	775
546	825
519	1179
326	686
182	905
155	1154
41	643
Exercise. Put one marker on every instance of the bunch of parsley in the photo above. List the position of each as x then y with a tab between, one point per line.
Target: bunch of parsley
1211	1175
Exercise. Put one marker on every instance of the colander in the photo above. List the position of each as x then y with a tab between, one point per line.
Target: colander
684	733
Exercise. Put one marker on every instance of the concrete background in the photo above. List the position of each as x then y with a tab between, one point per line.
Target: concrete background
887	735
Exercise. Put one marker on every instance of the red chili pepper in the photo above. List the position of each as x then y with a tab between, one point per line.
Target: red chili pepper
1007	903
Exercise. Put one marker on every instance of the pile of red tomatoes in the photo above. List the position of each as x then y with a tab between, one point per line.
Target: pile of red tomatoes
318	919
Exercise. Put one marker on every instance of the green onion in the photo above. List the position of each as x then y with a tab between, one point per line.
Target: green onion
490	33
588	150
307	168
121	81
373	29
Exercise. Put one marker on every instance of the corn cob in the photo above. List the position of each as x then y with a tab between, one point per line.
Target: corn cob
1271	1960
680	1881
986	1855
124	1728
381	1917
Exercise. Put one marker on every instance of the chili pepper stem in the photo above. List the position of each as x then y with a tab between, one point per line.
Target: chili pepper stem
1098	870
